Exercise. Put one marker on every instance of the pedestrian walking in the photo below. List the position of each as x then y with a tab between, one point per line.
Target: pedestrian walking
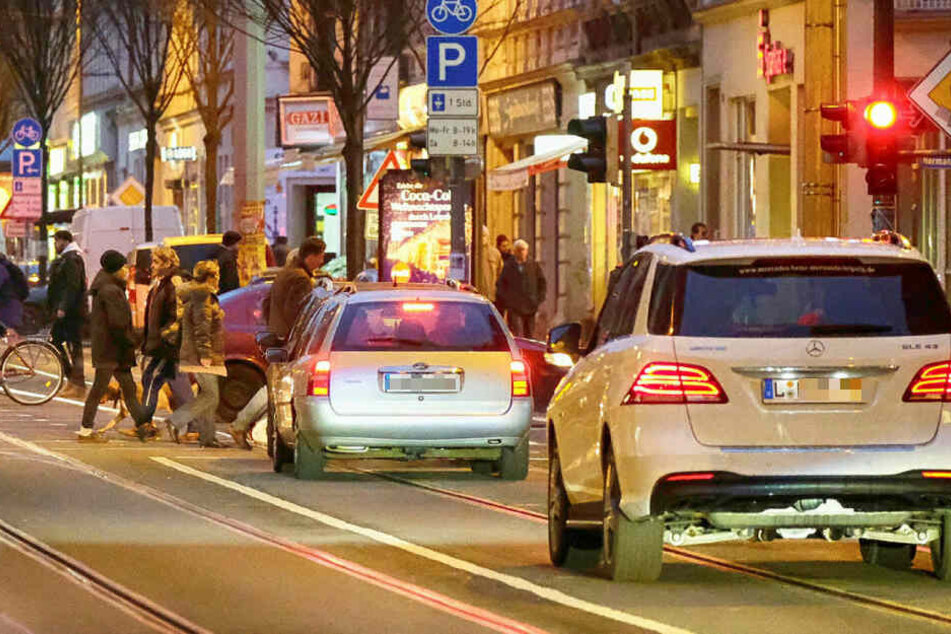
289	293
504	245
202	352
280	250
66	301
113	348
227	257
14	290
521	290
491	266
161	335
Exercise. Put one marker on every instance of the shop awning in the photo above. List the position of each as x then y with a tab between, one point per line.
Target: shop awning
515	175
751	148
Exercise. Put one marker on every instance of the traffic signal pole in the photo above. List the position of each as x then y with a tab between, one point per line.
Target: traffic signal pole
884	210
627	175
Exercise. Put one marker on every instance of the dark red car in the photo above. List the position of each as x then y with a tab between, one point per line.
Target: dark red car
244	318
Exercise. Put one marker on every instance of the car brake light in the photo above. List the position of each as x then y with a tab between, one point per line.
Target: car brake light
416	307
936	474
672	383
689	477
520	383
932	383
319	382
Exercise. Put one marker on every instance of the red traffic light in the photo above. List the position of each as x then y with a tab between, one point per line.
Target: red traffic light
881	115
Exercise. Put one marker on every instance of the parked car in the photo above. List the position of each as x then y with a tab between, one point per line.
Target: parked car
98	229
736	387
190	249
418	371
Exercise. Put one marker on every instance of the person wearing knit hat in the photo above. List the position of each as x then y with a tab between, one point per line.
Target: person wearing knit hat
113	347
227	257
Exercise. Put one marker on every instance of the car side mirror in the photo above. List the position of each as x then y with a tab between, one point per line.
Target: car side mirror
267	340
275	355
565	339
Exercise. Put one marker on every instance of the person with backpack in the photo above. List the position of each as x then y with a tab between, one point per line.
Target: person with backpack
13	292
66	300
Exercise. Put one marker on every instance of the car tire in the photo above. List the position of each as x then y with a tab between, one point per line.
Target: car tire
941	550
887	554
242	382
482	467
513	465
308	464
564	543
280	453
631	551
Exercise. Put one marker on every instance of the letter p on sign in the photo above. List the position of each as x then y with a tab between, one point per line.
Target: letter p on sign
27	163
452	61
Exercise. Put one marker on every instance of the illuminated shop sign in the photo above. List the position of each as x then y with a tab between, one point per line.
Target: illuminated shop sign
646	91
772	58
653	144
183	153
306	120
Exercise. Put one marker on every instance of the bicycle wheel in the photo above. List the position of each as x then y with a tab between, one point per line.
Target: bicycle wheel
31	372
439	14
463	13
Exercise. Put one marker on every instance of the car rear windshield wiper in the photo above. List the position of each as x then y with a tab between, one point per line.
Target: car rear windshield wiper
849	329
399	340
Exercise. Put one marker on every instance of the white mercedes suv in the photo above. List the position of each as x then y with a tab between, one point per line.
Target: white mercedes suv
734	389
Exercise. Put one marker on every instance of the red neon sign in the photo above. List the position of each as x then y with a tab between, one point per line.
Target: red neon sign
772	58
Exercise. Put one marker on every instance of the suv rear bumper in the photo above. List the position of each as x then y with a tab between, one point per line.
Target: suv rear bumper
730	492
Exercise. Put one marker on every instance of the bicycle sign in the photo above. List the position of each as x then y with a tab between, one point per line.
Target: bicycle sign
27	132
451	17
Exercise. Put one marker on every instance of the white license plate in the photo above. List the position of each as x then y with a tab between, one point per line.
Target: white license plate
411	383
813	391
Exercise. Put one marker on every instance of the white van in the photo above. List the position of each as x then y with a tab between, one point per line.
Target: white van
96	230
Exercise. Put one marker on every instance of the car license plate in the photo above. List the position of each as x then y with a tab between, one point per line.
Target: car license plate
412	383
813	391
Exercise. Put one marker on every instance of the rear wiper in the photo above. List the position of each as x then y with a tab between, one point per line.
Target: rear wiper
409	342
848	329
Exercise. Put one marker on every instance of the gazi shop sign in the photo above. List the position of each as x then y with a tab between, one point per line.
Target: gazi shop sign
653	144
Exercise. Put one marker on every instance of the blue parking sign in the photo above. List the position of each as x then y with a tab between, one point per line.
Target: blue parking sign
451	17
452	61
27	163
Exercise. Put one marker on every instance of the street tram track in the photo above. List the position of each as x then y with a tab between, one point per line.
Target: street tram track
130	602
686	555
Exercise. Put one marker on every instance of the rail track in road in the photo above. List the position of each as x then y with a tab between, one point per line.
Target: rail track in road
683	554
110	591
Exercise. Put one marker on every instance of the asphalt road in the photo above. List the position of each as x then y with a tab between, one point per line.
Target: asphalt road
132	537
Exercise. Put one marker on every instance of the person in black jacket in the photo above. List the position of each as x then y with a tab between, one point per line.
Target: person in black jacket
227	256
521	290
113	349
66	300
160	340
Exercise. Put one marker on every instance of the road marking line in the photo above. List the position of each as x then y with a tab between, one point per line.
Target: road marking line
549	594
422	595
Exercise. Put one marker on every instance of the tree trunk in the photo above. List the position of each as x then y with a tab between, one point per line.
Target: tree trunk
212	141
356	219
44	250
150	152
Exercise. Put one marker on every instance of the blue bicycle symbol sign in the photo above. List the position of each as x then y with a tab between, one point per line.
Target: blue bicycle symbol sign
27	132
451	16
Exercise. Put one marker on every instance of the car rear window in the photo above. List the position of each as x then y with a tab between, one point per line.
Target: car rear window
803	297
419	325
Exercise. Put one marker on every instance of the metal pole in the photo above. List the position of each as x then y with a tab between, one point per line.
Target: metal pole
458	265
627	176
884	208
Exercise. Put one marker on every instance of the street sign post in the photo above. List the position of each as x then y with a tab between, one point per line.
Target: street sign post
452	62
932	95
451	17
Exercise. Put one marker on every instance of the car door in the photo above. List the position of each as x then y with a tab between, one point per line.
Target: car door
280	374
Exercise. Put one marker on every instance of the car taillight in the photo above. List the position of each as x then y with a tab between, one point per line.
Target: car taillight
520	383
319	382
690	477
940	475
673	383
130	285
932	383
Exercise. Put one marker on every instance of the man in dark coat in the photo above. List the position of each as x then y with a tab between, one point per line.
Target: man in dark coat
280	250
66	300
113	348
293	285
521	290
227	256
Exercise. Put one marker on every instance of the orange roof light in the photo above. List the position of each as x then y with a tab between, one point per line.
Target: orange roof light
881	114
416	307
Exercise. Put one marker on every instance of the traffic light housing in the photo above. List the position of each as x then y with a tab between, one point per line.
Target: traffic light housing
848	147
882	129
594	160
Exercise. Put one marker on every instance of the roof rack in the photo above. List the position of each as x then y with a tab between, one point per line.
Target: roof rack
886	236
674	239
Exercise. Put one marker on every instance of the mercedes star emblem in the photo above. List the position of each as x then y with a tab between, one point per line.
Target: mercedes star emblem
815	348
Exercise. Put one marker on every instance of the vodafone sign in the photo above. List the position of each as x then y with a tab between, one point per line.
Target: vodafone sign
654	144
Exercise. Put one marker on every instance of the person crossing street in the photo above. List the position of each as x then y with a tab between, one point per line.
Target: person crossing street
66	300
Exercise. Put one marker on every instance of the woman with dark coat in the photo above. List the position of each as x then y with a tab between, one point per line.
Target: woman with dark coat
113	348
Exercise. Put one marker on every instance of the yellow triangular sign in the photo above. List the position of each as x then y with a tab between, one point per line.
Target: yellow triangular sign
370	200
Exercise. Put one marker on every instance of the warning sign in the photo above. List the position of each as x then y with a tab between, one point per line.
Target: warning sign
370	201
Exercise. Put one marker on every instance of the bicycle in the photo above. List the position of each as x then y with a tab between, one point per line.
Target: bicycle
31	371
455	8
